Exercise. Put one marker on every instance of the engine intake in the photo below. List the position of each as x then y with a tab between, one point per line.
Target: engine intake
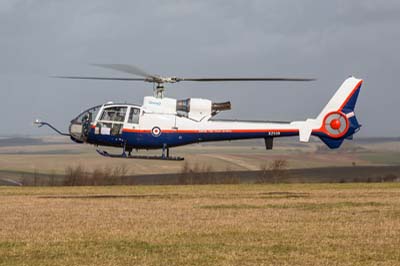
183	105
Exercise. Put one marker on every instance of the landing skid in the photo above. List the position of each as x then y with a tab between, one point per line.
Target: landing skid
143	157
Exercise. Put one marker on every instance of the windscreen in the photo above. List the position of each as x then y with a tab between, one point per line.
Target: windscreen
90	113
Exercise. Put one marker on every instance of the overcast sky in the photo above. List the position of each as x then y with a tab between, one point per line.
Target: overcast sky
329	40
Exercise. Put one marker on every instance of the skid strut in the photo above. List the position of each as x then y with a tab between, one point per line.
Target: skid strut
164	156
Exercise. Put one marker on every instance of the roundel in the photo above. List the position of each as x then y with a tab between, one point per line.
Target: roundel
336	124
156	131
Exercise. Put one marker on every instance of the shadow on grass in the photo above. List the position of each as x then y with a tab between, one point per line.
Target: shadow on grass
110	196
299	206
326	206
233	206
283	194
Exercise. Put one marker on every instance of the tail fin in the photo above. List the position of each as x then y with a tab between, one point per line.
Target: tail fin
337	120
344	99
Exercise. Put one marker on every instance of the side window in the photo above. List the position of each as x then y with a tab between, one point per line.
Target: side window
134	115
116	114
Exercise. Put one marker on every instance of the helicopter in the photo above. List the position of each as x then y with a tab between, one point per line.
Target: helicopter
163	123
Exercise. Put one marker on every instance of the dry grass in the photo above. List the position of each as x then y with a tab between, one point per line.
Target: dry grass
344	224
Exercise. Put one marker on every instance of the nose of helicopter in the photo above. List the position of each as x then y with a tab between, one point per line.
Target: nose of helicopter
80	126
76	131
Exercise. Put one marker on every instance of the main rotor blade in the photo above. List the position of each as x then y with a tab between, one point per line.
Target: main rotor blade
100	78
127	69
244	79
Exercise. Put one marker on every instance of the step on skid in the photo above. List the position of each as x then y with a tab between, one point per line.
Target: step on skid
143	157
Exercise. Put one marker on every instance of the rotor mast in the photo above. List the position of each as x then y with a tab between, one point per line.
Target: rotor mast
159	90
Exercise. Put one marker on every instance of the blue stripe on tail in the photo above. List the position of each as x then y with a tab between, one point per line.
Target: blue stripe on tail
351	103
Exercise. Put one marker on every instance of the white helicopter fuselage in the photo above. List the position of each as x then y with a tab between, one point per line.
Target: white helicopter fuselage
165	122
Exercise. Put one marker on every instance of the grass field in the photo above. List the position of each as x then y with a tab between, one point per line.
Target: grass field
341	224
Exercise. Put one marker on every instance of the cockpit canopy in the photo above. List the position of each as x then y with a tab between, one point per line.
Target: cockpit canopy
106	118
90	113
114	112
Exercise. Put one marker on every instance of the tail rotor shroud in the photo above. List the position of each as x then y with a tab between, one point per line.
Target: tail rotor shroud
336	124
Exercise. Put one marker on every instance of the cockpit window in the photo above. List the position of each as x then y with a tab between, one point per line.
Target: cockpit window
134	115
116	114
90	114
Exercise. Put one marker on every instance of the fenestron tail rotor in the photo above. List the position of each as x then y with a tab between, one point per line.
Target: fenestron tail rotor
160	80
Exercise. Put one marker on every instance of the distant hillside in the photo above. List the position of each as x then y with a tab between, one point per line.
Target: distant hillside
77	177
292	141
376	140
20	141
9	182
